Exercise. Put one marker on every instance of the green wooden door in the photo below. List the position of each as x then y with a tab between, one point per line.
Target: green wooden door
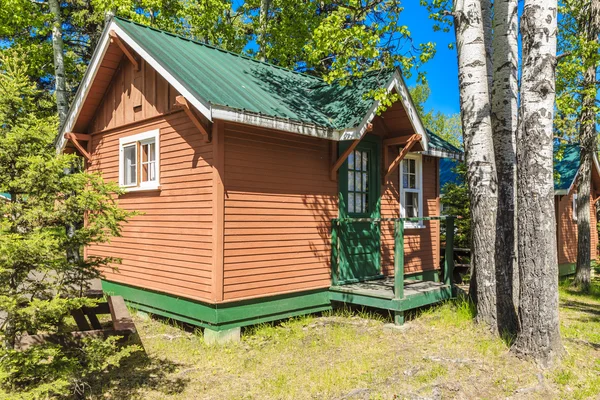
359	197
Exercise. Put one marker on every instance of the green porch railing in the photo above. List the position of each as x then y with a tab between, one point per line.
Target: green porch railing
399	224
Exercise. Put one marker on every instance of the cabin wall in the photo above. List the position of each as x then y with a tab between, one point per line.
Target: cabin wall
169	247
567	230
279	201
421	245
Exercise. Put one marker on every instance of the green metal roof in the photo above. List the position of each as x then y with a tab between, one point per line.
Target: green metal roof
6	196
437	144
565	168
239	82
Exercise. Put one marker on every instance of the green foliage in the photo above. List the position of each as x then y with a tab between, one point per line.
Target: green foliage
446	126
576	53
456	202
39	286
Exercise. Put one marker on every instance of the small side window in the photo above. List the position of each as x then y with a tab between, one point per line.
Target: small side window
411	190
139	161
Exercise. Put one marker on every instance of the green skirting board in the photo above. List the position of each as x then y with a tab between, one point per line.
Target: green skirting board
566	269
221	316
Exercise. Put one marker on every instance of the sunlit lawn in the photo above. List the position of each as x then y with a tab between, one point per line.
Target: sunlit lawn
440	353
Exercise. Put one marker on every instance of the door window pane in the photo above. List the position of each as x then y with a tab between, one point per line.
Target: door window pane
358	182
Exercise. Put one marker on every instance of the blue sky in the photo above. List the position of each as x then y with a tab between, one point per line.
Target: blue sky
442	70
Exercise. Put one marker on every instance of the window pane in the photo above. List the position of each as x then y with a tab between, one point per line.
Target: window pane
404	180
411	205
358	160
365	187
412	182
145	150
351	161
411	164
359	207
351	181
351	202
129	167
365	202
358	185
152	156
364	161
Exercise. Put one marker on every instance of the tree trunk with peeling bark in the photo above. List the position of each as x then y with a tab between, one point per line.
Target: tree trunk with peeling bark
539	335
473	77
588	145
62	101
504	123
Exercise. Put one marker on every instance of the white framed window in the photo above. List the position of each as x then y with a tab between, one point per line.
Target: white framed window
574	206
139	161
411	189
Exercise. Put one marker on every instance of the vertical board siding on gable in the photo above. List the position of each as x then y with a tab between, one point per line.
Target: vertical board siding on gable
421	245
279	201
129	89
168	247
567	230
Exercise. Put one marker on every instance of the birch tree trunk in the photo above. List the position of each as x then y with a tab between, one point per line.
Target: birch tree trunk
539	335
62	102
587	142
475	108
504	122
263	21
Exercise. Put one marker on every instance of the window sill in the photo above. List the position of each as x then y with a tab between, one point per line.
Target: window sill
141	189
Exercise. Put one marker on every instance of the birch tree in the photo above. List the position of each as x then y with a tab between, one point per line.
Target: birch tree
539	335
589	24
62	101
504	122
474	79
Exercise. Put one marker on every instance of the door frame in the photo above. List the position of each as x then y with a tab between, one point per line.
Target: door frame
374	144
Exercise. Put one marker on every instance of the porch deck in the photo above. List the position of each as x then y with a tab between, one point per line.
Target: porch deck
395	293
380	294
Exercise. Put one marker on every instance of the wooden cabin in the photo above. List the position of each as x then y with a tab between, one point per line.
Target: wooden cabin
264	193
566	166
566	170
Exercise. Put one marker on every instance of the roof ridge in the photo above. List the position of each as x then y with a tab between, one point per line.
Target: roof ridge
213	47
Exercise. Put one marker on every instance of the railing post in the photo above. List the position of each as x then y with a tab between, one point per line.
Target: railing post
334	251
449	256
399	259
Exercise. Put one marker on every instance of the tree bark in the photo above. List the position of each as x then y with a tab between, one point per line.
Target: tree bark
263	21
504	122
588	145
539	335
62	102
475	107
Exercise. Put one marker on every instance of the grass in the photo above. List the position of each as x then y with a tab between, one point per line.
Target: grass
439	353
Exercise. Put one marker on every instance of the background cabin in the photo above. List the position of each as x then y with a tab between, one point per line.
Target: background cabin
264	193
566	169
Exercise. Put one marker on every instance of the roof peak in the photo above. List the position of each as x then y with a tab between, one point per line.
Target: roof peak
213	47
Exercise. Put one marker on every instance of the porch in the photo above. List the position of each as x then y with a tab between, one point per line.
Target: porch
395	293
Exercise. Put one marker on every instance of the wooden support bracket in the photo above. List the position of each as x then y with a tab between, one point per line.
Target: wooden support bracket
409	144
114	38
340	161
181	102
75	138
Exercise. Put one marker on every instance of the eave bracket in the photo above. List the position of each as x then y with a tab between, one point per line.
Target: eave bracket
414	139
181	102
75	138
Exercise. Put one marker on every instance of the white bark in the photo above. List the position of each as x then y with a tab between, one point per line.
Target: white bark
504	122
263	20
539	335
475	107
62	102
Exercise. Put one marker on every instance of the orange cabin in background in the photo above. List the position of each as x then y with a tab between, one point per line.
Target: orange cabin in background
261	190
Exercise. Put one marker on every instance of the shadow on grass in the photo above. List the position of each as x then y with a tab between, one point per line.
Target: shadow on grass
140	371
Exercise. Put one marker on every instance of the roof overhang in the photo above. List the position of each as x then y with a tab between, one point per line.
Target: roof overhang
213	111
563	192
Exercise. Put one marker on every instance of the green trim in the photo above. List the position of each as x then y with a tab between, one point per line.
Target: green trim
426	298
566	269
364	300
429	275
225	315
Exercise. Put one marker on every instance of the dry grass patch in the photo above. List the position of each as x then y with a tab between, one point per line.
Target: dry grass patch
439	353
